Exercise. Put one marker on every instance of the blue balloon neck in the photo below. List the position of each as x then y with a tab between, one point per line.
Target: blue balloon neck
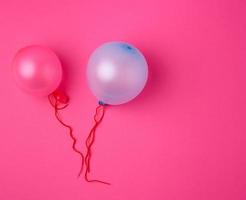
102	103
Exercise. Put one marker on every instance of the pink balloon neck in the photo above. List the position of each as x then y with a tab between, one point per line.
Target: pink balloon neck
61	97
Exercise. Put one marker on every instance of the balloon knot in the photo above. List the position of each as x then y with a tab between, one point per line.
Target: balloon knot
61	97
102	103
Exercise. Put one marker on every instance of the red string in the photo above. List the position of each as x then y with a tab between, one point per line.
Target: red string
91	139
59	102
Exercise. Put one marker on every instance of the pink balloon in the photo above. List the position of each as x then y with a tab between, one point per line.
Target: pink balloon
37	70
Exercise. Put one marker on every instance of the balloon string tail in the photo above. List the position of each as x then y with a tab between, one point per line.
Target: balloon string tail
58	104
98	117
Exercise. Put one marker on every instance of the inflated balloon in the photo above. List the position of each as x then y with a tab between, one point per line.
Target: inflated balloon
116	72
38	71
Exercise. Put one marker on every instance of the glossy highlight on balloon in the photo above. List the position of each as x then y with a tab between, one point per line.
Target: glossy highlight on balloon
117	72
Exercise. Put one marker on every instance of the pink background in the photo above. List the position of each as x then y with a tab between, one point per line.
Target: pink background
183	138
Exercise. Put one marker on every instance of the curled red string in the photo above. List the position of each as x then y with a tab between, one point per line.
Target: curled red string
60	101
98	117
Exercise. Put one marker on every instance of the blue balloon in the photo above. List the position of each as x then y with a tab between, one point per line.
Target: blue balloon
117	72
